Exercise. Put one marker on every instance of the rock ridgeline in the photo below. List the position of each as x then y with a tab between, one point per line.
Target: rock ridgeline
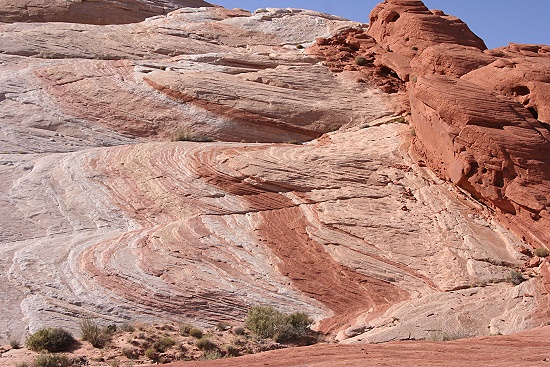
298	175
89	11
480	116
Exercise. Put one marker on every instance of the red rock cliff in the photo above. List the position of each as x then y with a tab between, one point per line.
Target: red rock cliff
480	116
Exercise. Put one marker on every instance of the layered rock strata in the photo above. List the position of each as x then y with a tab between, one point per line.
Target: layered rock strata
104	217
90	11
469	127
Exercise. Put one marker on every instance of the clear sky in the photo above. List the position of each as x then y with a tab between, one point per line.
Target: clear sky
496	21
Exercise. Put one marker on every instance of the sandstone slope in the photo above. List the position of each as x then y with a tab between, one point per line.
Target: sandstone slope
105	217
90	11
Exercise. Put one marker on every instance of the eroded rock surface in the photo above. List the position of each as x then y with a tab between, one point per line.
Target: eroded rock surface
105	217
90	11
479	115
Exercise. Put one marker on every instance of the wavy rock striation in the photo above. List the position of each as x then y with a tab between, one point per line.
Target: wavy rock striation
104	217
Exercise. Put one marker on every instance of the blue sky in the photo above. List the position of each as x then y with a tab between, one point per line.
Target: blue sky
496	21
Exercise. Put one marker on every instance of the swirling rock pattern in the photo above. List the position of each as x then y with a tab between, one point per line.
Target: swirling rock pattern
104	217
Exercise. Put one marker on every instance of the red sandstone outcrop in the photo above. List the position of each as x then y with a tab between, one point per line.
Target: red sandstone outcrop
89	11
469	127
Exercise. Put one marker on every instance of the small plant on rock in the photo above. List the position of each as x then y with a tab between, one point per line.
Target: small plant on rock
91	332
541	252
14	343
51	360
164	344
205	344
152	354
361	61
127	327
196	333
50	339
211	355
516	277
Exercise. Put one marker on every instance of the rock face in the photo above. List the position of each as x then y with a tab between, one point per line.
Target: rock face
498	150
89	11
105	217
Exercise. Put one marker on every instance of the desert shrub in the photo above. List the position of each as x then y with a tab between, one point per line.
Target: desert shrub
414	48
205	344
449	335
299	47
516	277
152	354
196	333
21	364
164	344
361	61
233	351
294	142
127	327
211	355
267	322
50	339
222	326
263	321
97	336
239	331
188	135
14	343
51	360
130	353
541	252
185	329
300	320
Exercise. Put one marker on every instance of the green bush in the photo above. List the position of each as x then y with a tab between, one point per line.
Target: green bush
91	332
361	61
196	333
541	252
516	277
300	320
264	321
211	355
164	344
127	327
152	354
185	329
239	331
50	339
267	322
188	135
205	344
51	360
14	343
130	353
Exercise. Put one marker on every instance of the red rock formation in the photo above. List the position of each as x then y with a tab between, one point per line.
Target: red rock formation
89	11
521	72
483	141
408	27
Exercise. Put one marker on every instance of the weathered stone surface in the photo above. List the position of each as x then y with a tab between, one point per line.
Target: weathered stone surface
492	147
521	72
407	27
89	11
525	349
104	217
495	150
